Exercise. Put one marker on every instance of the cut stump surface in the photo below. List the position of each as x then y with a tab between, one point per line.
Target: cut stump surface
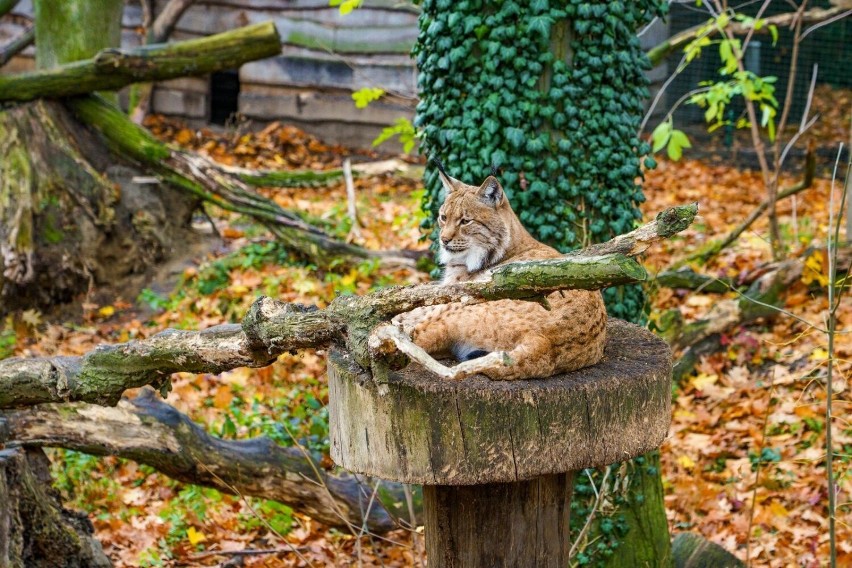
417	428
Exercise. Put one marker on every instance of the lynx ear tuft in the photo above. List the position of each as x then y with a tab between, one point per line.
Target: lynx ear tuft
448	182
491	191
494	169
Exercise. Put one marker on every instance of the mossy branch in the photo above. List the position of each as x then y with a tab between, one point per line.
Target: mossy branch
271	328
115	68
211	182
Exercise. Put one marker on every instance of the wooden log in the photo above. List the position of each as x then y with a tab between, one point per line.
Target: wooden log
460	438
529	518
419	429
114	68
153	433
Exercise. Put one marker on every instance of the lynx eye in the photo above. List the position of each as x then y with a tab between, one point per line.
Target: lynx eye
442	218
465	221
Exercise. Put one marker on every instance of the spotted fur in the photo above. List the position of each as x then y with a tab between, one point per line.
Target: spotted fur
478	231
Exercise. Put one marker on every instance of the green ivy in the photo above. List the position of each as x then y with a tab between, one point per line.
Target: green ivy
552	93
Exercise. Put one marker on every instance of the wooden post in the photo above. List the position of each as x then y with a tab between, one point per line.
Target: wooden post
497	459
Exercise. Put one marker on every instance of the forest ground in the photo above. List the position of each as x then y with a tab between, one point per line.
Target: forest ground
757	406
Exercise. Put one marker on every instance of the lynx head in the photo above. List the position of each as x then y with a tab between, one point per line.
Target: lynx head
476	223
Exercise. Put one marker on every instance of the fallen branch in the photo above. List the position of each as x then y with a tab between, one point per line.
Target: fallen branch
713	248
271	328
688	279
209	181
112	69
17	45
151	432
678	41
764	298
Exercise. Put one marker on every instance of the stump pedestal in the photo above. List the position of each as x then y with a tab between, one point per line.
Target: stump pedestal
497	459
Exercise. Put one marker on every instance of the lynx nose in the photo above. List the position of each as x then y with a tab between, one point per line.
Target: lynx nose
445	240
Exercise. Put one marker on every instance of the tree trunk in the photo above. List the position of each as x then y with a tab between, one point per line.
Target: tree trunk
71	214
69	220
35	531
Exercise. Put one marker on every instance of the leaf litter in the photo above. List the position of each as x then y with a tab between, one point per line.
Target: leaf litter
758	404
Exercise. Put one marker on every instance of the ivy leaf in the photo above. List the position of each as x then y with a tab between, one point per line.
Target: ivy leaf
661	135
540	26
365	96
515	136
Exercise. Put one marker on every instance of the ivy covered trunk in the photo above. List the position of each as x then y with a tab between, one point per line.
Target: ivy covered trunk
71	213
552	93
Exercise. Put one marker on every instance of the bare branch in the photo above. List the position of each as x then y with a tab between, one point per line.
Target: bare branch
165	23
17	45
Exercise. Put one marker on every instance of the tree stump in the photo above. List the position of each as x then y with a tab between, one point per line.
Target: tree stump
497	459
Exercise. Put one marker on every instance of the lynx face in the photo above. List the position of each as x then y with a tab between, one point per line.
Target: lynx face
475	224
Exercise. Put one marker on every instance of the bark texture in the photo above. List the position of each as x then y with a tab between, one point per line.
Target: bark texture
35	531
71	214
500	524
149	431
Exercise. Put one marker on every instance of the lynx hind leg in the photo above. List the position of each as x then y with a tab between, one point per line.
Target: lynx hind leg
532	358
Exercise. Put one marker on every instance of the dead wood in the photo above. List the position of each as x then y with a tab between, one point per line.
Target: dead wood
149	431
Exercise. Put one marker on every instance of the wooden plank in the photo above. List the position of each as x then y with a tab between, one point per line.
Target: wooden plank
279	5
305	33
180	103
304	72
258	101
354	59
190	84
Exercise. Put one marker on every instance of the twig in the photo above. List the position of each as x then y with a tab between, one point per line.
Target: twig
355	230
259	517
758	469
598	498
832	323
815	27
247	552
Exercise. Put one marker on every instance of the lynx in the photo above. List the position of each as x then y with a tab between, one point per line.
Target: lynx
503	339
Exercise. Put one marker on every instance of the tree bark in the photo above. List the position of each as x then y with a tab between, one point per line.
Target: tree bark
35	530
539	508
153	433
72	215
114	68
